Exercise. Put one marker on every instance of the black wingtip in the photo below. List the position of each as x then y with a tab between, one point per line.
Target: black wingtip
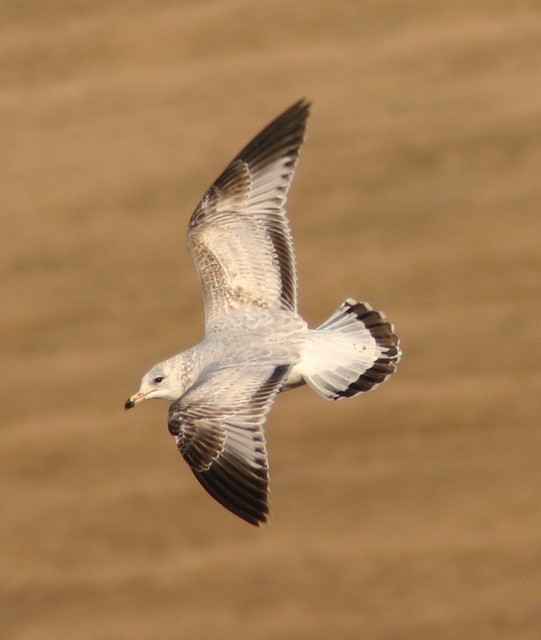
302	105
238	490
283	135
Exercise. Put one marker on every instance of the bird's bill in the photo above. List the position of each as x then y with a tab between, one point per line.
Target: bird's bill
135	399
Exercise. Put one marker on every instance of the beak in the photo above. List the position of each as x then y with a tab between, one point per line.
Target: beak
131	402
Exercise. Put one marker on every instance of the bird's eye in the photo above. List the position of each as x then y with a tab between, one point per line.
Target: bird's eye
158	379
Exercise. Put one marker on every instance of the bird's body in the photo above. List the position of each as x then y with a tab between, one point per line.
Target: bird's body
256	344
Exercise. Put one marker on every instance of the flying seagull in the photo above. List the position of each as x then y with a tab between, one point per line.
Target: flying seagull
256	344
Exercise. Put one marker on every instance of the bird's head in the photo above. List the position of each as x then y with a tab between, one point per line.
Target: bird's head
165	381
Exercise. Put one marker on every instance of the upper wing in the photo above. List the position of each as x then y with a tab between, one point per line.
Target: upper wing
239	236
218	426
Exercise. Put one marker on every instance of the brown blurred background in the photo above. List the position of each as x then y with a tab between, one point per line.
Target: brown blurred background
413	513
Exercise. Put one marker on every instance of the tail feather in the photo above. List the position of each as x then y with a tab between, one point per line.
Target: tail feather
353	351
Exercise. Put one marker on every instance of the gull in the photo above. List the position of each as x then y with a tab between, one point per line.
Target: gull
256	344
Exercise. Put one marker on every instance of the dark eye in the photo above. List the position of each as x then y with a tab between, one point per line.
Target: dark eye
158	379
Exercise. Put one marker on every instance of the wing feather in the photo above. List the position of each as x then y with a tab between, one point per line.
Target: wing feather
218	425
239	235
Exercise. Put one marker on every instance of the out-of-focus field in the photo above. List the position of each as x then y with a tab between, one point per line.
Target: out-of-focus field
413	513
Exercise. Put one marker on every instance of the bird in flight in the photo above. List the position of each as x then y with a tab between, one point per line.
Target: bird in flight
256	344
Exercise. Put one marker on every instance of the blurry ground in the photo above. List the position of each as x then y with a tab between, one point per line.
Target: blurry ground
411	513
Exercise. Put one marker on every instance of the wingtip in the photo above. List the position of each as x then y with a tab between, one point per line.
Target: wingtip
256	522
302	107
303	104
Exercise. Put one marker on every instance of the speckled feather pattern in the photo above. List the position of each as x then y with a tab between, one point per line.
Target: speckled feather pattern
256	344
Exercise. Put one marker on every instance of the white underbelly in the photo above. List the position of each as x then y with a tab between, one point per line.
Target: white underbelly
294	379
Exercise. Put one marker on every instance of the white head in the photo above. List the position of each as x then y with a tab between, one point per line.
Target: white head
165	381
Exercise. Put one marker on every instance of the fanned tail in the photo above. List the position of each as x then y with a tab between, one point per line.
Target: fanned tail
353	351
